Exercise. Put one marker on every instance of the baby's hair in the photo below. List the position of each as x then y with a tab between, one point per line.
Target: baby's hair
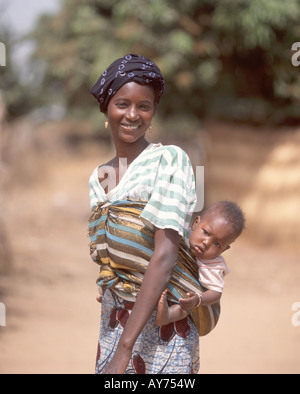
231	212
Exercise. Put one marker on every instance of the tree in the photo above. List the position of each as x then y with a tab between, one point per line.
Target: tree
229	58
9	75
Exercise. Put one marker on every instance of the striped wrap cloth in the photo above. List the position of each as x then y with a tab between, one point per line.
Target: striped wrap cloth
122	245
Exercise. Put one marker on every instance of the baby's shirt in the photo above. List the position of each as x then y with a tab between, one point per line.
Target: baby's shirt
212	272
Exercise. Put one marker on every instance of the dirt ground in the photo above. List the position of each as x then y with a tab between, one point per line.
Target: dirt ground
52	319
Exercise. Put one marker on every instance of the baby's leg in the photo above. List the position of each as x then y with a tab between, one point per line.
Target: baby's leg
162	310
167	314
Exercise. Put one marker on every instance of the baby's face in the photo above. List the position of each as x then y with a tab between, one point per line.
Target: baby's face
211	236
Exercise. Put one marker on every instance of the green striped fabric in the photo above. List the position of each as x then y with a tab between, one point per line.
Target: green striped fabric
162	176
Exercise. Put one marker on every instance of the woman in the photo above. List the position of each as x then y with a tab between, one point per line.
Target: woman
147	193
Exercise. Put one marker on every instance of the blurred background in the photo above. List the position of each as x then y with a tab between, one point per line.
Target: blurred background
231	102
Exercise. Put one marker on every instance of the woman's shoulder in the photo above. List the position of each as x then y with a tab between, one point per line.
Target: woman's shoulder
176	155
173	150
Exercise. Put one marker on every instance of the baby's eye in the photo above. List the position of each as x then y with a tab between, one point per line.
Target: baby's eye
217	244
205	232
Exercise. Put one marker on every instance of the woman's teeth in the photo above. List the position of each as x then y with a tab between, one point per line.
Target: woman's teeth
130	127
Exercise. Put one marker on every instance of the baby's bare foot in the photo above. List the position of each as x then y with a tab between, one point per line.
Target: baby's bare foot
162	315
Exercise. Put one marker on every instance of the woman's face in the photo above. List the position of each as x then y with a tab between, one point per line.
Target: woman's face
130	112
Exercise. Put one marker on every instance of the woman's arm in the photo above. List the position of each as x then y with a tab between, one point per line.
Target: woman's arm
156	278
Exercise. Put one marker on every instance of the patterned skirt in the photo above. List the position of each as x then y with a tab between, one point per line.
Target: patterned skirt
170	349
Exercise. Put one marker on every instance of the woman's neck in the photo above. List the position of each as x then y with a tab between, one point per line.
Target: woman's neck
129	152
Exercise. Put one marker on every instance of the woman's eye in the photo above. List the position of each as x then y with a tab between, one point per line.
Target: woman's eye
145	107
121	105
204	231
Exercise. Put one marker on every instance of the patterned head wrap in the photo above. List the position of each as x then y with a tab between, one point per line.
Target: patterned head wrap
130	68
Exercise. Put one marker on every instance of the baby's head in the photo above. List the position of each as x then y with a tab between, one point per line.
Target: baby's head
216	228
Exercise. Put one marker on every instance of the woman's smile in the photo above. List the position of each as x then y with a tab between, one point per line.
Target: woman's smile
130	127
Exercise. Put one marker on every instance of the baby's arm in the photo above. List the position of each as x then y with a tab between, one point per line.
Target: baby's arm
167	314
208	297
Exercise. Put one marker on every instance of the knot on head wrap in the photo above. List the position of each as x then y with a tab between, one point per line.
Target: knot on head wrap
130	68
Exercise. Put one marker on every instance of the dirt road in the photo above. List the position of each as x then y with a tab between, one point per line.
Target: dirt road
52	316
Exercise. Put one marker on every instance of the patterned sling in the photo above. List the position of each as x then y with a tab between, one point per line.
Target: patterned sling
123	245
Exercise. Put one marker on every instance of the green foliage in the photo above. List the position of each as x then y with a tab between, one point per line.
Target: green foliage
14	94
229	58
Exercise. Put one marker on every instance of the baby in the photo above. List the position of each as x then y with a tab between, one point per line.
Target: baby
211	235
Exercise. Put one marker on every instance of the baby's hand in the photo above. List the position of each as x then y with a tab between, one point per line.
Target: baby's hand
189	303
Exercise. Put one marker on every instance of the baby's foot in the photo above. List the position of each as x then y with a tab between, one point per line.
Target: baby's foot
162	315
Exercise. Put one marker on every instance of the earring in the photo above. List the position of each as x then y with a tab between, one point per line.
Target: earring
106	123
150	129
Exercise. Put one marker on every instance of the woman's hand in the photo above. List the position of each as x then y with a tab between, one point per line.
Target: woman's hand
118	363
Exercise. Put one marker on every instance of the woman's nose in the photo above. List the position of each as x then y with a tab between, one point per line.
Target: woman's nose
132	113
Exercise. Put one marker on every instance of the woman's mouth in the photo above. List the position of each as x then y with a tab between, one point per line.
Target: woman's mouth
129	127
